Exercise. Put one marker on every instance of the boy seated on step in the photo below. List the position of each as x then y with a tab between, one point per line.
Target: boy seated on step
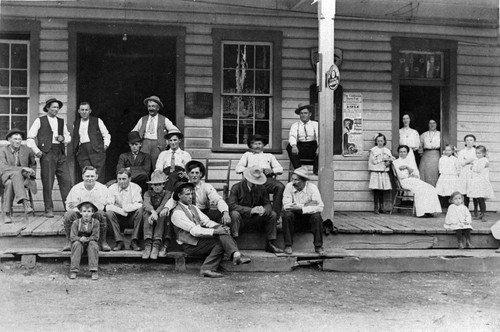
85	236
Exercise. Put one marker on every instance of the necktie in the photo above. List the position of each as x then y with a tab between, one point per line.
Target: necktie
195	214
151	126
135	155
16	158
305	131
172	162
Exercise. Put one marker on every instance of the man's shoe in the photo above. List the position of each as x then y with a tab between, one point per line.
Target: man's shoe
238	259
105	246
49	214
7	218
27	208
156	249
119	246
95	275
147	249
72	275
67	246
288	250
134	246
210	274
270	247
163	251
320	251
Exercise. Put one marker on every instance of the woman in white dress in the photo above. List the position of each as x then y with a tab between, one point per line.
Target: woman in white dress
410	138
430	141
426	198
465	159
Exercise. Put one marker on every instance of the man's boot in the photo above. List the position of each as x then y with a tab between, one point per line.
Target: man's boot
156	249
163	251
27	208
67	231
147	249
7	217
103	244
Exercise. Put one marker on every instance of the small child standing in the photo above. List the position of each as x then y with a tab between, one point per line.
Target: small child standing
459	219
448	175
85	236
480	188
378	165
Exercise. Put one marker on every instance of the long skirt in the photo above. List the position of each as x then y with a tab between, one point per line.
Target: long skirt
380	181
429	167
426	198
447	184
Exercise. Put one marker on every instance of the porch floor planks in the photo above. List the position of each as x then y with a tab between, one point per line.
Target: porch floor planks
13	229
48	228
370	221
33	224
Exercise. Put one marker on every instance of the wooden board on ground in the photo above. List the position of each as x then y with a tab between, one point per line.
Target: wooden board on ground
261	262
33	224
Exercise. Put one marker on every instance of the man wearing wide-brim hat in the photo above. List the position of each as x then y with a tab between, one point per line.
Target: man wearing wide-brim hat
17	171
303	138
303	206
136	161
249	205
153	127
51	135
200	236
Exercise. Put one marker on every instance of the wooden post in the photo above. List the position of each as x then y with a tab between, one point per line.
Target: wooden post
326	15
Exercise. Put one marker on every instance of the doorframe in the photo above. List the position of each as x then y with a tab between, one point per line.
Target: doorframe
448	85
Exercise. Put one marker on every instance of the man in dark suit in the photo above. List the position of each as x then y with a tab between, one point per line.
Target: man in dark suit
17	171
136	161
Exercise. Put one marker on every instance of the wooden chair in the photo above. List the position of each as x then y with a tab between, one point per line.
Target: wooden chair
30	197
218	174
401	195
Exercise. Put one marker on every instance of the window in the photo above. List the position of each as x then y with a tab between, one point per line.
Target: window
14	87
247	99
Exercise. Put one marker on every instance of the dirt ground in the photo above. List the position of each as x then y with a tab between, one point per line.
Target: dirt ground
152	297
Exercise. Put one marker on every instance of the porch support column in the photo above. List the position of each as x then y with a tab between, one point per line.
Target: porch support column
326	15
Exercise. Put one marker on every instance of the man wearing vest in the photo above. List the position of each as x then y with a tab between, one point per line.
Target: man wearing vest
303	138
91	139
153	128
51	137
198	235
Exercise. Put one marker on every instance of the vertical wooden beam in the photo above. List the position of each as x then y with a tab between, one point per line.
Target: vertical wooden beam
326	17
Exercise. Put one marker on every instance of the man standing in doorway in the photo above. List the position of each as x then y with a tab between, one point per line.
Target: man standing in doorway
153	128
51	137
91	139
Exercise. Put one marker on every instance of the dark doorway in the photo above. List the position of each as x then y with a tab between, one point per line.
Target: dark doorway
424	102
115	73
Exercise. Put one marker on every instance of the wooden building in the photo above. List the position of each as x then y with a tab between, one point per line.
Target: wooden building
114	53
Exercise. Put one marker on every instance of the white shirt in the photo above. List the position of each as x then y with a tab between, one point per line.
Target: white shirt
431	140
298	132
99	196
165	157
300	198
35	127
128	199
206	195
205	228
84	132
153	134
261	160
409	137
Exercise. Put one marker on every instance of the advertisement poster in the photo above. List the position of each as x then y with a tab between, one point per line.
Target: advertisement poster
352	119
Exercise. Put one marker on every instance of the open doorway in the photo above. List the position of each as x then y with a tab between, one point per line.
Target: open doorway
424	102
115	73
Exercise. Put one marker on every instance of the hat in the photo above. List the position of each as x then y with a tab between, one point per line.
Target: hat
155	99
134	137
14	131
310	107
174	132
87	202
180	188
256	137
254	175
158	177
50	101
195	163
302	172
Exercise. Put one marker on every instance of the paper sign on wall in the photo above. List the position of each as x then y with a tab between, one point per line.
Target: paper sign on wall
352	119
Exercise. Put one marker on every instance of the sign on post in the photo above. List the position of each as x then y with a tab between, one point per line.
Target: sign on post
352	120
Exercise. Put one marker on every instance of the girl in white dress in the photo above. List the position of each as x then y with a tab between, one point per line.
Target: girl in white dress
410	138
459	219
448	174
465	159
480	186
378	165
426	198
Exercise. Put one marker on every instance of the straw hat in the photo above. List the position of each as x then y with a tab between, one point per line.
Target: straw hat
87	202
158	177
310	107
302	172
174	132
155	99
254	175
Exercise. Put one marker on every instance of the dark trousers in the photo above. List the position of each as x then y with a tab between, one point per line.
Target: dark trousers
141	179
214	215
153	231
14	190
77	249
303	222
53	164
307	150
276	188
119	222
86	156
173	178
70	216
268	220
214	247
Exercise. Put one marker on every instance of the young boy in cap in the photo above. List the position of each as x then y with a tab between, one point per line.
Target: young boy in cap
84	236
136	161
154	223
173	161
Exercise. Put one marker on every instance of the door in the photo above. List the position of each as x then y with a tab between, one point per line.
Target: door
424	102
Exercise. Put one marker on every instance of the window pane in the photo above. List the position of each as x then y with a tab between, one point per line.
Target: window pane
4	55
19	56
262	108
4	126
230	107
246	107
248	55
245	80
4	82
263	57
19	106
262	128
19	122
229	132
262	82
246	129
4	106
230	56
19	82
229	81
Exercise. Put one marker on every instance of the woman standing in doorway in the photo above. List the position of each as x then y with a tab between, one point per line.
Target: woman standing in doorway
431	144
410	138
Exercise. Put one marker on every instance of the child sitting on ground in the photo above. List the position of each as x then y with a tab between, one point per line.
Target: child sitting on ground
85	236
459	219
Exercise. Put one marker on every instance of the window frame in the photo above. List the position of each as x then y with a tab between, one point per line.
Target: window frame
274	38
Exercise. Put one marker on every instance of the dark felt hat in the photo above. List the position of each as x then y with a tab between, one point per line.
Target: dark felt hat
87	202
134	137
310	107
175	132
256	137
195	163
50	101
155	99
180	188
14	131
